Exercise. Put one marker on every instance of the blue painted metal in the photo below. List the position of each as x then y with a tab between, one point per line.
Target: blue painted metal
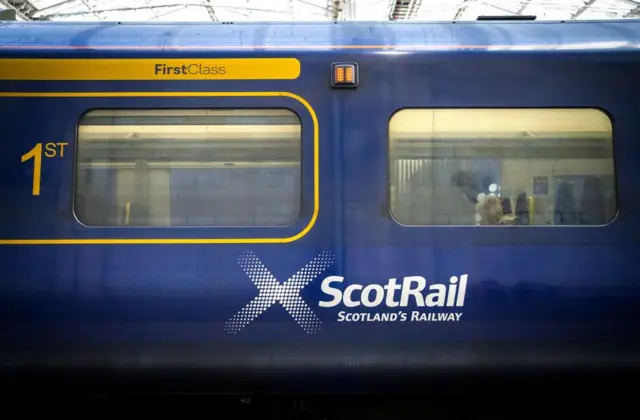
539	285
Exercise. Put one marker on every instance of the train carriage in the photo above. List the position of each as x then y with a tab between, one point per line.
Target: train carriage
318	206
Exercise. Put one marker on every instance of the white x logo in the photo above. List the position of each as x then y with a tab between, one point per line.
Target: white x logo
287	294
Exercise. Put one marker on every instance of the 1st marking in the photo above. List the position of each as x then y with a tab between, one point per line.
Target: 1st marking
50	150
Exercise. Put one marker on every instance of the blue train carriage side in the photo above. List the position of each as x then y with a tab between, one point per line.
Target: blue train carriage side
324	206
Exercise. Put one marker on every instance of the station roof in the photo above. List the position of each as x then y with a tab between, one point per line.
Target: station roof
314	10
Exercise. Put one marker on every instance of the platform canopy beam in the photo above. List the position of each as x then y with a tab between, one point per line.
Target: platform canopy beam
522	8
24	8
39	15
583	9
404	9
341	9
633	13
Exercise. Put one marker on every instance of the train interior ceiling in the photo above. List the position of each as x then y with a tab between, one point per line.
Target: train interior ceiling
446	167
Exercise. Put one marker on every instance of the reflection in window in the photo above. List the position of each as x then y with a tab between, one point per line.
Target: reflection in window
501	167
188	168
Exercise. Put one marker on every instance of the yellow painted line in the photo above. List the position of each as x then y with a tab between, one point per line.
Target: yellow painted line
168	241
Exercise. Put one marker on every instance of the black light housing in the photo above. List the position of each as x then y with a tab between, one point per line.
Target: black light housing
344	75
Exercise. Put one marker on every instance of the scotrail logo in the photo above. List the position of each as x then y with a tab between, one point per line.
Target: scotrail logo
271	291
411	299
409	293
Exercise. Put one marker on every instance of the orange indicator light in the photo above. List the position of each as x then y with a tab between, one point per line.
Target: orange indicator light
344	75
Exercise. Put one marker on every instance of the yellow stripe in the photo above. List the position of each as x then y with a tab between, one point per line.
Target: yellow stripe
197	241
150	69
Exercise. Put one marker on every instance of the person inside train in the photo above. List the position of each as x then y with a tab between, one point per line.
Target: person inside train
489	209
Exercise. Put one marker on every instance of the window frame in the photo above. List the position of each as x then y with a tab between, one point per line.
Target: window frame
300	171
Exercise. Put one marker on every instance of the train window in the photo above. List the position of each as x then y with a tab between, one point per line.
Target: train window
189	168
501	167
